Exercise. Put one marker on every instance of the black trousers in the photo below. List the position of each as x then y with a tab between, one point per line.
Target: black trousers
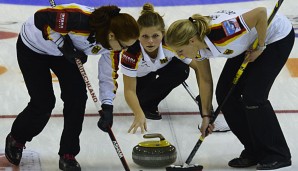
154	87
37	76
248	111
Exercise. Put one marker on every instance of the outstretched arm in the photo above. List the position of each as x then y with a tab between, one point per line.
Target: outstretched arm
205	84
130	84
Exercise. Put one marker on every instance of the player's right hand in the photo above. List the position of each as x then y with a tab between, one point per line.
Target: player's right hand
139	122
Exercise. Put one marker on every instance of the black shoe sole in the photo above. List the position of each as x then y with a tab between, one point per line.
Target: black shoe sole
242	163
154	117
12	153
62	167
274	165
69	169
11	161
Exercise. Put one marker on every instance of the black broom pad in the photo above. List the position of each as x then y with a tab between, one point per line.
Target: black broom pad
188	168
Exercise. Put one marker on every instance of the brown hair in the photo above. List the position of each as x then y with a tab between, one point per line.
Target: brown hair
150	18
181	31
108	19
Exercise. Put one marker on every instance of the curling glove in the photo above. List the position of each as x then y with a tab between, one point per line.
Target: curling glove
106	119
70	52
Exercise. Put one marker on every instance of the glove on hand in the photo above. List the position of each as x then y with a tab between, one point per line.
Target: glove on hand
70	52
106	119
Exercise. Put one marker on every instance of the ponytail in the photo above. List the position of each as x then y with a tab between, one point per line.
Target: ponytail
181	31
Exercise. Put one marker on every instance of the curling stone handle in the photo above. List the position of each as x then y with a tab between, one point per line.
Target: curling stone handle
155	135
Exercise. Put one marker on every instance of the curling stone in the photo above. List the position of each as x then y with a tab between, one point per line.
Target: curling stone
154	153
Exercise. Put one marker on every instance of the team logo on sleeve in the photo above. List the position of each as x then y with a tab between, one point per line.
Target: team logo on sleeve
228	52
231	26
95	49
162	61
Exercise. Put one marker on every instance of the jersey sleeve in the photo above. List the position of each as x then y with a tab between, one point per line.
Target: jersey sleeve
108	66
130	60
62	19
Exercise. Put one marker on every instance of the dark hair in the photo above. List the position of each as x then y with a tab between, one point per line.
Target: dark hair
150	18
108	19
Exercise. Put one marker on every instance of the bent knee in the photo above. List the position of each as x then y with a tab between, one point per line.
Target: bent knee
253	103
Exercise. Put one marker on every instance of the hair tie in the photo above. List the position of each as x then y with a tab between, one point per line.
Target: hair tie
191	20
115	12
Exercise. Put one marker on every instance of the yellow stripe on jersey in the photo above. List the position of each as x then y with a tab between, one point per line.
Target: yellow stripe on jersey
80	33
115	65
216	25
48	31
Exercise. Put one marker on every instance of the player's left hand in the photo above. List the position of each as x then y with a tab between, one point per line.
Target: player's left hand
252	55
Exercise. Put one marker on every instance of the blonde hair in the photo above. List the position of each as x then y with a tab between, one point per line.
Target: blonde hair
181	31
150	18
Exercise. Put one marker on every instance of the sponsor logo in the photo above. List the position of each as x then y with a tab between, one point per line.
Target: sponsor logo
127	59
229	12
61	20
87	82
117	148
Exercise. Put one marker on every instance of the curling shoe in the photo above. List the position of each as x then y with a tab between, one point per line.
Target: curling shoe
13	150
152	114
68	162
242	162
274	165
